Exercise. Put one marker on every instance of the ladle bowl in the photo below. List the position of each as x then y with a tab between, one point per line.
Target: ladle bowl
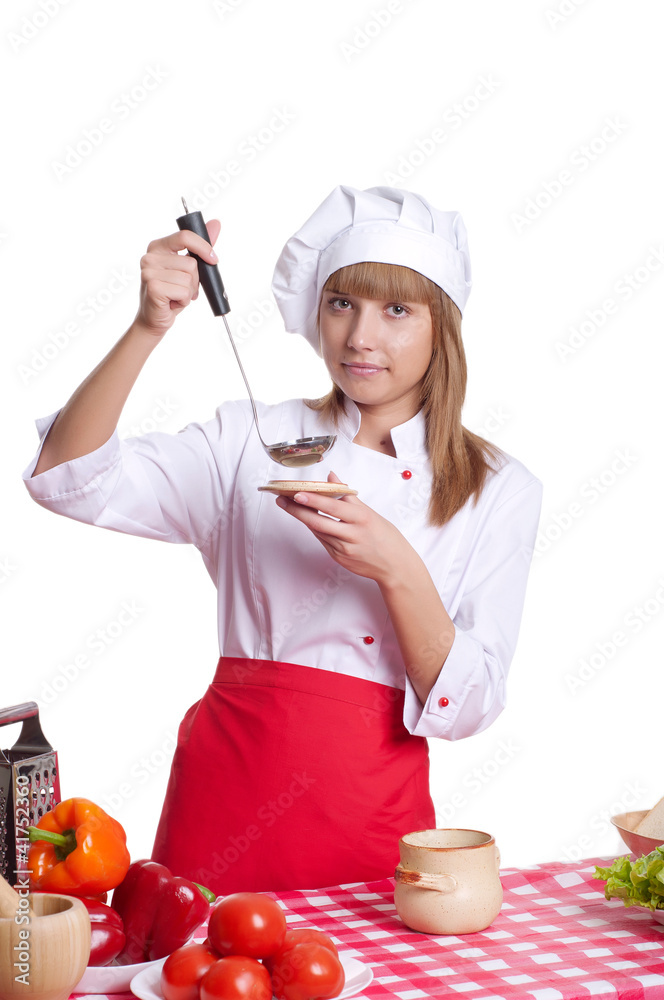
302	451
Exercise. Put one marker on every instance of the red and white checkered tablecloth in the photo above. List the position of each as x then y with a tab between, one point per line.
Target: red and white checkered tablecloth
556	938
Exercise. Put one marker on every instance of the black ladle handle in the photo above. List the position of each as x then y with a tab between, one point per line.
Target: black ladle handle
209	275
213	287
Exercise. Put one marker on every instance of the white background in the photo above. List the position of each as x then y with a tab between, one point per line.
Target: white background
539	82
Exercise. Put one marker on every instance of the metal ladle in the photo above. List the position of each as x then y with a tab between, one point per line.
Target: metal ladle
301	451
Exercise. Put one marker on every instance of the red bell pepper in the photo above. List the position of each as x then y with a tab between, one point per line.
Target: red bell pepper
108	936
160	911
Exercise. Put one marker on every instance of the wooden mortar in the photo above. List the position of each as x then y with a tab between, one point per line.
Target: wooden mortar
44	944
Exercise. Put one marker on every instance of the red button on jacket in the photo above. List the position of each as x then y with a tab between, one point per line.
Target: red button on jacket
406	474
443	702
368	639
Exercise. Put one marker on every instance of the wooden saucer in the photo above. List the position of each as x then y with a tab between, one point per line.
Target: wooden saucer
289	487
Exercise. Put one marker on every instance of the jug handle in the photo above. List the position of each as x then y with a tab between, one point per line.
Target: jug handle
425	880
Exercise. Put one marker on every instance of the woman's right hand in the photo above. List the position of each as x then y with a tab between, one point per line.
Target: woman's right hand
169	279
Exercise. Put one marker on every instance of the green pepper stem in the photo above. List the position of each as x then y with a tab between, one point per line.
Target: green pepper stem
64	843
209	895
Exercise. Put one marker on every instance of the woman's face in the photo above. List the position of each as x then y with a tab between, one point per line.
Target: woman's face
377	351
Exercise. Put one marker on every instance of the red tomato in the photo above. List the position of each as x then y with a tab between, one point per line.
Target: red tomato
299	936
308	971
236	978
247	923
183	970
310	934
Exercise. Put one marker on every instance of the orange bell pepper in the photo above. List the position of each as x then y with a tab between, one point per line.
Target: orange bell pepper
77	849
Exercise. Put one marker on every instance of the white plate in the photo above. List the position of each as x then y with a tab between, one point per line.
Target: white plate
358	976
114	978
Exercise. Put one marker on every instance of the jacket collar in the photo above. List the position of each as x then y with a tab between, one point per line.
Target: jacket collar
409	438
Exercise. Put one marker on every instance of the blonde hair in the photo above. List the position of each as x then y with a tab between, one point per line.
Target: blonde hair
460	460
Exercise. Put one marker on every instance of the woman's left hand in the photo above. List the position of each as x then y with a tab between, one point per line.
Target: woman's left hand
360	540
365	543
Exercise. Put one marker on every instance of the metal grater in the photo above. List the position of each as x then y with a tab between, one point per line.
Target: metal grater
29	787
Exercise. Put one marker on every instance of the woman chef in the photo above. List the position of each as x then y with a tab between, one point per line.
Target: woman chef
350	628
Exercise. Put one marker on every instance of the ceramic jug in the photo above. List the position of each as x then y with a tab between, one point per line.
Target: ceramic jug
447	881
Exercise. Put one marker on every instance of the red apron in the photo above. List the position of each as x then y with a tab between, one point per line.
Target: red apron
291	777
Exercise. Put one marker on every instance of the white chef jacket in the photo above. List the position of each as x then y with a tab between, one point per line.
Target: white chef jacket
280	595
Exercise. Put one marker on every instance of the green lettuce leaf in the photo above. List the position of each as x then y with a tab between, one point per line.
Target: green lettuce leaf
637	883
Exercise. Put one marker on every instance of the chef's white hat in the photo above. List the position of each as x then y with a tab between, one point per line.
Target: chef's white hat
381	224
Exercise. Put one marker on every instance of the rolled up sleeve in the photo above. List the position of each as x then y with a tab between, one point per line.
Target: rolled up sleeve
169	487
470	690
